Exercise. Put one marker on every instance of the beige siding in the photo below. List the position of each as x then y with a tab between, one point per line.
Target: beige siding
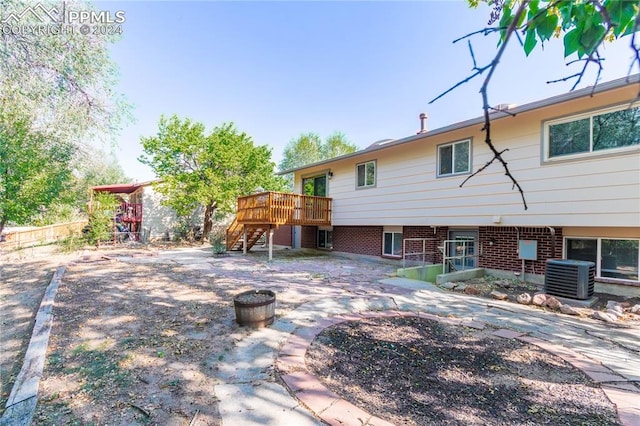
158	220
602	190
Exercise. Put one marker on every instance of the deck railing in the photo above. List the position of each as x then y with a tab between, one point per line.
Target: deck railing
130	212
284	209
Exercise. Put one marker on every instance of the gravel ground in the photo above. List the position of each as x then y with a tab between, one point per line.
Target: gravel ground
413	371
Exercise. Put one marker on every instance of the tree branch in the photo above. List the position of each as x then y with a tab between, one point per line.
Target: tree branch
487	164
497	155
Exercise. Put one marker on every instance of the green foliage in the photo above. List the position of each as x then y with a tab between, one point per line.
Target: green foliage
92	167
71	243
62	83
217	240
101	218
308	148
186	229
34	170
584	25
57	212
210	170
56	92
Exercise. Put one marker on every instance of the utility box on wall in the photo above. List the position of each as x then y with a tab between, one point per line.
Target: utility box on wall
528	249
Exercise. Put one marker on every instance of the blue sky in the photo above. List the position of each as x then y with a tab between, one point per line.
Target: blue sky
278	69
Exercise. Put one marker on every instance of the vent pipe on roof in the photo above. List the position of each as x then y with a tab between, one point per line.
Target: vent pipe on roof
504	107
423	123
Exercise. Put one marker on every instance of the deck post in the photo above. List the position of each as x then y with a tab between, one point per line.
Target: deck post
270	243
244	239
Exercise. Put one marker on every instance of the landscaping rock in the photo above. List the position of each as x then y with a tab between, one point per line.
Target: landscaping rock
539	299
569	310
552	303
449	285
614	314
603	316
503	283
498	295
615	307
472	291
635	309
524	299
461	287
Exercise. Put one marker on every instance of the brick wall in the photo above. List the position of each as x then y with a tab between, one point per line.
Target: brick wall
309	237
365	240
503	253
283	236
434	255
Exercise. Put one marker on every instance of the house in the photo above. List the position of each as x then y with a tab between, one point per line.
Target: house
576	156
140	210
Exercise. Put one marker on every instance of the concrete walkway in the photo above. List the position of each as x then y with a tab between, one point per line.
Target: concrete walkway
250	393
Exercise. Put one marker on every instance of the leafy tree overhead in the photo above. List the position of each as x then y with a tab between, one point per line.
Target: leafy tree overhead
585	26
308	148
210	170
62	83
33	171
56	93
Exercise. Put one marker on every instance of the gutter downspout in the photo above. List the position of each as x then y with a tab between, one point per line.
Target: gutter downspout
552	231
518	251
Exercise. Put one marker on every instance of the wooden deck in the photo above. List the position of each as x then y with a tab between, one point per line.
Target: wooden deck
258	213
278	208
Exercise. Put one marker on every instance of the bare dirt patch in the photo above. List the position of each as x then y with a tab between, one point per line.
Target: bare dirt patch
24	275
139	334
414	371
134	343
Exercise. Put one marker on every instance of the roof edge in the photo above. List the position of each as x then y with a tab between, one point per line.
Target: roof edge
543	103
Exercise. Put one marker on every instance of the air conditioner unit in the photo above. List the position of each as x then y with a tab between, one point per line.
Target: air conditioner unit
573	279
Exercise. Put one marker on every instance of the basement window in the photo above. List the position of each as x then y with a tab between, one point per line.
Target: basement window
614	258
392	242
325	239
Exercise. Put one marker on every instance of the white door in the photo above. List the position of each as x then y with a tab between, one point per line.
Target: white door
463	250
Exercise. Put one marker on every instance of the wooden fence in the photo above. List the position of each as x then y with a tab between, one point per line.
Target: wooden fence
40	235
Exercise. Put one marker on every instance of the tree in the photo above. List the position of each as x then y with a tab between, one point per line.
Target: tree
101	224
210	170
33	171
63	81
308	148
56	93
584	25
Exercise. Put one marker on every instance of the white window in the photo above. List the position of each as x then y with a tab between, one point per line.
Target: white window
593	132
325	238
454	158
392	242
366	174
614	258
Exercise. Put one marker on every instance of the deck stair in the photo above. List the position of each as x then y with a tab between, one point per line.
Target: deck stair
254	233
266	211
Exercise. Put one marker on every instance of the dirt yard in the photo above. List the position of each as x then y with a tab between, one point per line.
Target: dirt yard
138	337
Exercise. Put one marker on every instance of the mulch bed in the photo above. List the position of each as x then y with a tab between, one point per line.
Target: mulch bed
415	371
